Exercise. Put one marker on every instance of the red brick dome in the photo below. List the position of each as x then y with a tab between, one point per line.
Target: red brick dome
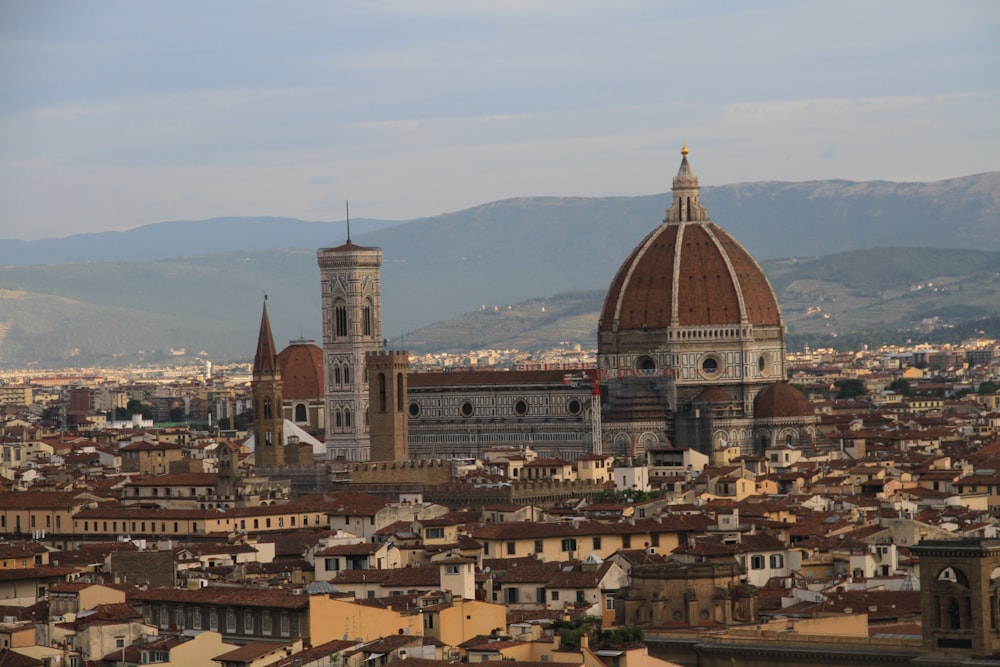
688	272
301	366
781	400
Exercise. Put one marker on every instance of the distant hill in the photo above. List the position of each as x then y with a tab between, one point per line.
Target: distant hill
866	293
114	313
124	310
771	219
184	238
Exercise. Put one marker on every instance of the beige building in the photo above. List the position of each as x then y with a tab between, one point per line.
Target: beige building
150	458
559	541
72	598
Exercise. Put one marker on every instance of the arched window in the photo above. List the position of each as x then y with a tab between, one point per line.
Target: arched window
366	319
338	419
300	413
347	418
267	409
400	394
347	374
340	318
336	374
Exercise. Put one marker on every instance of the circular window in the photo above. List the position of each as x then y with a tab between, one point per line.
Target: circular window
574	407
414	409
520	408
762	363
710	365
645	363
466	409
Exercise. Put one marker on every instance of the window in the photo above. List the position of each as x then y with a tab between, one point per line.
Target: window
213	620
332	564
247	622
539	546
300	413
569	544
511	548
597	543
230	620
555	596
777	561
196	618
510	595
119	642
283	625
366	320
756	562
626	541
265	622
451	569
609	603
340	317
434	533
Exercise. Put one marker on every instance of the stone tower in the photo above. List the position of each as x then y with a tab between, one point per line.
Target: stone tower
268	419
352	327
960	596
387	392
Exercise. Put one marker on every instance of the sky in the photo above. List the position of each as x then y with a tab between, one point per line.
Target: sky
116	114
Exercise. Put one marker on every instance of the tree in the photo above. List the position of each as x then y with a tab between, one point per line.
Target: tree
852	388
177	414
988	387
901	386
137	407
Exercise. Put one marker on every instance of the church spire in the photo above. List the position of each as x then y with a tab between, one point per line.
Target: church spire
265	361
686	207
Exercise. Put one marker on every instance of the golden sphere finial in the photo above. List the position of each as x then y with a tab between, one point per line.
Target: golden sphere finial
684	148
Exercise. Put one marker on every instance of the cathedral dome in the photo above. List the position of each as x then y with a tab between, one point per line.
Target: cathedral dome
781	400
301	366
688	272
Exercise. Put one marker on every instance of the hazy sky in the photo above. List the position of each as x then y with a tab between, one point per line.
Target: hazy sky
119	114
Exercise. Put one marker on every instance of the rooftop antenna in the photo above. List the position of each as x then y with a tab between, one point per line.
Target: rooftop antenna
347	206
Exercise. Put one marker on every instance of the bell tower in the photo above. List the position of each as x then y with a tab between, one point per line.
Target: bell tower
387	405
268	416
960	596
352	327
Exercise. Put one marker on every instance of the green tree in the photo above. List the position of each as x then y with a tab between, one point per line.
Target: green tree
177	414
901	386
137	407
851	388
988	387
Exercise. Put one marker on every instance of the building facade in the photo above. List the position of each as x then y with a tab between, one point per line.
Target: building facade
352	327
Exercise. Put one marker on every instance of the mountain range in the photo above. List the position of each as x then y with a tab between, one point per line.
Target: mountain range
129	297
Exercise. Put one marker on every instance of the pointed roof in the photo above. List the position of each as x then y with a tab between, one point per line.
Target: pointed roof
685	178
265	361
